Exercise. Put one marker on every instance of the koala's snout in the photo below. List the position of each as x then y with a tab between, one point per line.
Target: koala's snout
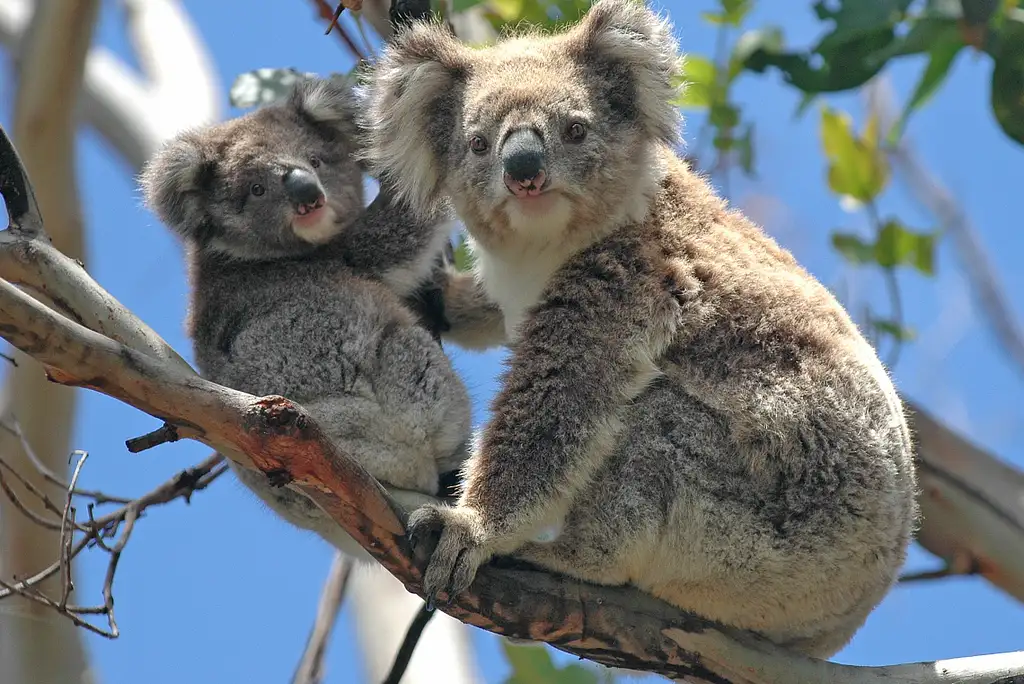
522	158
304	191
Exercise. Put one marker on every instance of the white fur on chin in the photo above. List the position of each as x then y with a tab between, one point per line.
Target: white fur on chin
323	229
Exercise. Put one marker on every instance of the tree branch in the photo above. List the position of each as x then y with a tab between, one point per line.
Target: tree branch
310	668
616	626
179	89
412	638
972	505
117	525
49	77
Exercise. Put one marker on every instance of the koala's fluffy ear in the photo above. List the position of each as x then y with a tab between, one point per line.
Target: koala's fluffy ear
641	55
412	100
172	182
326	101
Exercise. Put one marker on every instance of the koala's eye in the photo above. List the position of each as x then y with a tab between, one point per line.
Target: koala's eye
576	132
257	189
478	144
314	162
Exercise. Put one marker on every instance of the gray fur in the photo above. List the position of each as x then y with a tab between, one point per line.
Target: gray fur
313	311
685	409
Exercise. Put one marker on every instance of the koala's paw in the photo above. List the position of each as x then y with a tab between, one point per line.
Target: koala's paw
461	548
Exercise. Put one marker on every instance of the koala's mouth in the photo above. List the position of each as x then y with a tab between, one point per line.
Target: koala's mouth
527	188
310	208
315	222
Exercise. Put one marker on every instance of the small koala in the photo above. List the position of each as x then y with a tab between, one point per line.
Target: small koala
685	408
297	289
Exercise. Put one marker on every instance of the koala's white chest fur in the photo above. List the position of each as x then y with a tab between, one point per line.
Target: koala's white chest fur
515	280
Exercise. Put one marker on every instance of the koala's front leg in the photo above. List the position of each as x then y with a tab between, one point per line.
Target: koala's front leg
392	242
474	321
586	350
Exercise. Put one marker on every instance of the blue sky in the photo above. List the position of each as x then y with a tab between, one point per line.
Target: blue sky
224	591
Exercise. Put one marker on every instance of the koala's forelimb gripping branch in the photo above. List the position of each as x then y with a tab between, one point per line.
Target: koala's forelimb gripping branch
113	353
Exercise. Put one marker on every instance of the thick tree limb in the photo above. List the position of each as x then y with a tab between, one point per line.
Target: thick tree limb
616	626
972	505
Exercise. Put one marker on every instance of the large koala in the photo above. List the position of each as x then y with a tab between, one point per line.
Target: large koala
298	290
685	409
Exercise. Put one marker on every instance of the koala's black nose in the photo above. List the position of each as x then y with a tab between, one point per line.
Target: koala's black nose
302	188
522	155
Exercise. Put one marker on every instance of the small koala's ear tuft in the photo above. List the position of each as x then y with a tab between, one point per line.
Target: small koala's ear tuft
173	181
327	101
638	45
412	99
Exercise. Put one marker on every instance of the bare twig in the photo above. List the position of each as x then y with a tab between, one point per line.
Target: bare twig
66	534
332	15
162	435
412	637
95	532
310	667
11	425
334	20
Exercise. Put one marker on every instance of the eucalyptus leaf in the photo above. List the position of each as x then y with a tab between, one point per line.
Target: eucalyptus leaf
853	248
464	259
856	166
1007	92
940	60
263	86
898	246
698	78
533	665
893	329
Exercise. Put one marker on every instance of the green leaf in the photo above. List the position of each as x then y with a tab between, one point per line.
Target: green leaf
836	66
698	79
768	38
898	332
856	18
857	168
464	258
463	5
853	249
733	12
940	59
1007	91
724	115
744	146
262	86
978	12
897	246
533	665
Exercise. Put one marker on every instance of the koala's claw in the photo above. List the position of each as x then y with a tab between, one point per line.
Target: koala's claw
459	552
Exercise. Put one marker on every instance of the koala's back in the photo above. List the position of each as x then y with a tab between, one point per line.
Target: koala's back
345	347
764	478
